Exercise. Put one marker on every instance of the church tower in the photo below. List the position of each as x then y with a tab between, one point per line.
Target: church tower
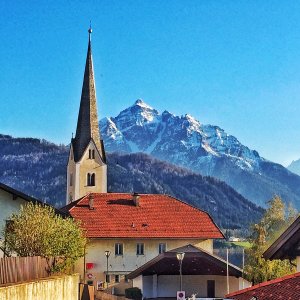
87	168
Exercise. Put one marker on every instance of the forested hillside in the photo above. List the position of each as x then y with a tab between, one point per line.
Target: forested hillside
38	167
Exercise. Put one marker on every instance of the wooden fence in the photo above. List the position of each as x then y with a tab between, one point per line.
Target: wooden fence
20	269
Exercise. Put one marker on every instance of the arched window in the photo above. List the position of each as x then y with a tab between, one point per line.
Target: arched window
93	179
91	154
88	179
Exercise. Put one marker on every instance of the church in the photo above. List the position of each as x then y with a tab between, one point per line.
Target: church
87	168
134	238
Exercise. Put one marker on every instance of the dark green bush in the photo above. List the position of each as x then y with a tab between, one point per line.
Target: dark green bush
133	293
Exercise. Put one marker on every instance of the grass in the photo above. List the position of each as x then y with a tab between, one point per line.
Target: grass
245	245
226	244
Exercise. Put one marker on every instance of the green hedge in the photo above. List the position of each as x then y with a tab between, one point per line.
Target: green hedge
133	293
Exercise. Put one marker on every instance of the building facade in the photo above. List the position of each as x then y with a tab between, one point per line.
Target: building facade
134	229
203	274
11	201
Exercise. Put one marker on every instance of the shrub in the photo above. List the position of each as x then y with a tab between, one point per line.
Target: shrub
133	293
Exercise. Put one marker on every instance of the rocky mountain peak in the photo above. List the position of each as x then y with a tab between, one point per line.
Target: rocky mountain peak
181	140
136	115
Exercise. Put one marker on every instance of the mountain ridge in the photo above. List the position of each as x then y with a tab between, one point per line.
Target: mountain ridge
205	149
38	168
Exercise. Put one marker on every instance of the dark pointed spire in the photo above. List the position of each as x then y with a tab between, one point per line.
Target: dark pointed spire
87	124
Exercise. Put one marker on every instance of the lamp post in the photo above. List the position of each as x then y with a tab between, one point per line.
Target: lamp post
180	256
107	254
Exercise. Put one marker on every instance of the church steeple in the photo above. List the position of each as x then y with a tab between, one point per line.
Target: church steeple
87	124
87	170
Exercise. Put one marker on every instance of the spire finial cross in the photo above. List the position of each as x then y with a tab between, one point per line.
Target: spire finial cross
90	31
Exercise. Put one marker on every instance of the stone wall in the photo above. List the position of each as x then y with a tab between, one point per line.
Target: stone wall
53	288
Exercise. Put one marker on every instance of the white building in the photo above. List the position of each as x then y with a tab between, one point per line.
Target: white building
137	230
203	274
10	202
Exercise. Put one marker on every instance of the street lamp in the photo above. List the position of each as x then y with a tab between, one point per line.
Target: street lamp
180	256
107	254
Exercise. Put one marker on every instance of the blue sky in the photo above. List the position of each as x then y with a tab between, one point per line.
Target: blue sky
235	64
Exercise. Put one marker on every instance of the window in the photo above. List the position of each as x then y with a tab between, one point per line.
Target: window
91	179
117	278
162	248
139	249
91	154
127	280
71	179
107	278
118	249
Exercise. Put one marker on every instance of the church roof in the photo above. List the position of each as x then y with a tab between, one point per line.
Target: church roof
87	124
117	215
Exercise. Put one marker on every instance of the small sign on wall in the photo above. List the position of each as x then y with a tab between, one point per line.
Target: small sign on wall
180	295
100	285
89	266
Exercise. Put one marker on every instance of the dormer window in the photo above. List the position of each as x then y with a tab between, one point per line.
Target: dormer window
91	154
91	178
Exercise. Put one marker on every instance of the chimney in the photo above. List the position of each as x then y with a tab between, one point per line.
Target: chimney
136	198
91	201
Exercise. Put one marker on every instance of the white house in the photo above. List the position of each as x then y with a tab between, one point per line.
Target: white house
10	202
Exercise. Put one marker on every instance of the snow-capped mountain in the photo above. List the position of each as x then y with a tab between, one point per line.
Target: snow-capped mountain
183	140
206	149
295	166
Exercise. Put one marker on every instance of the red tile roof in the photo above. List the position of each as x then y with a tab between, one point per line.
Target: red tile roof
156	216
284	288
